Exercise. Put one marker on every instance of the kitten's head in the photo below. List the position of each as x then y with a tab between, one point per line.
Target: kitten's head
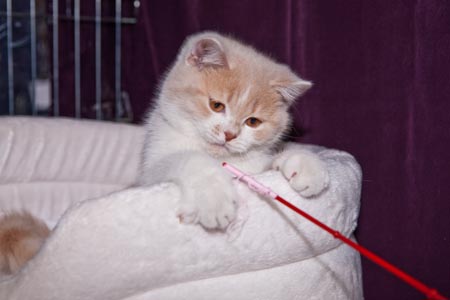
235	98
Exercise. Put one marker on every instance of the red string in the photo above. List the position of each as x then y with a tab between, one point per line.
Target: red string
431	294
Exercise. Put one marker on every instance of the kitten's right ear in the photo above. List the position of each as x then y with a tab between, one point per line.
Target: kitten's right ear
289	85
207	52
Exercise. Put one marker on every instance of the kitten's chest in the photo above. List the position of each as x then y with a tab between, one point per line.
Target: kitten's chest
252	164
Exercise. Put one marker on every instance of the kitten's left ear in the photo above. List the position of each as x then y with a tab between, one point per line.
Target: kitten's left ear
290	86
207	52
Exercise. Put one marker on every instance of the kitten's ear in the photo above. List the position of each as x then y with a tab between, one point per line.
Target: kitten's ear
290	86
207	52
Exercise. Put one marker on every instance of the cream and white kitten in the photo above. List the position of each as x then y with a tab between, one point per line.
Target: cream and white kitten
224	101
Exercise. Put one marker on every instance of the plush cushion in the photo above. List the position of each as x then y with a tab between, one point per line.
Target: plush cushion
47	164
130	244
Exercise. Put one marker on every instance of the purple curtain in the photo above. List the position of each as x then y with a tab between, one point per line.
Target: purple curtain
382	74
382	92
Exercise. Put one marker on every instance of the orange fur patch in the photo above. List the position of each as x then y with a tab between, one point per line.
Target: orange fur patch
249	85
21	236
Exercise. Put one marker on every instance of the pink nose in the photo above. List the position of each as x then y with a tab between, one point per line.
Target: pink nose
229	136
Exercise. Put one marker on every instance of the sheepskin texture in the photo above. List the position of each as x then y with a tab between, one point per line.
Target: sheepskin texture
130	244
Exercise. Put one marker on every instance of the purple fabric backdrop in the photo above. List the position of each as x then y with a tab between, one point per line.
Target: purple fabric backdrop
382	74
382	88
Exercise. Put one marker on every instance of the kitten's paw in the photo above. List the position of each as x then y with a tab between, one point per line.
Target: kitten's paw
187	214
210	203
306	172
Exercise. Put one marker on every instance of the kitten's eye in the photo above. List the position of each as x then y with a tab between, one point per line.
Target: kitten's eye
253	122
216	105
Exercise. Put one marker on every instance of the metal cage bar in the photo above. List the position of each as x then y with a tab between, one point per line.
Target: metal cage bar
118	28
55	59
110	20
36	89
77	59
98	59
33	55
9	41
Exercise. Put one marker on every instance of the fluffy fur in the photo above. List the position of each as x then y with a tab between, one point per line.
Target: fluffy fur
188	137
21	237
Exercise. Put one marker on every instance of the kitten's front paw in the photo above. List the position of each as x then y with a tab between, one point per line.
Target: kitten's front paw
306	172
210	202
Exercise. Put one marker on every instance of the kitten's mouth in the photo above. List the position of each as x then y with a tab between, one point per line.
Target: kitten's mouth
224	149
218	149
222	146
218	144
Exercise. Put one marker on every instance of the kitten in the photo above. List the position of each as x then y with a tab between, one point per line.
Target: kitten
21	236
224	101
221	101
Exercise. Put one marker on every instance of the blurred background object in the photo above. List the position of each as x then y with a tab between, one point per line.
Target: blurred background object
56	58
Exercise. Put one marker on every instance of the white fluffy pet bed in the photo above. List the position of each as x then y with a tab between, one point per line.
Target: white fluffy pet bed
130	244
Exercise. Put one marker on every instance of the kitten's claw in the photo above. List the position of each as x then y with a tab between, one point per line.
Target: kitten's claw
187	216
217	213
305	171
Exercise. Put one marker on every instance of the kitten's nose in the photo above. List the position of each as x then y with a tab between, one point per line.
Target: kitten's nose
229	136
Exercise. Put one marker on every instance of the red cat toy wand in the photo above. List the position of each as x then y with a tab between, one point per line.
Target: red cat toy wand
254	185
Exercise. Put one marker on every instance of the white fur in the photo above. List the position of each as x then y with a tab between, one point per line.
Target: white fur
189	152
244	95
304	169
178	154
129	245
